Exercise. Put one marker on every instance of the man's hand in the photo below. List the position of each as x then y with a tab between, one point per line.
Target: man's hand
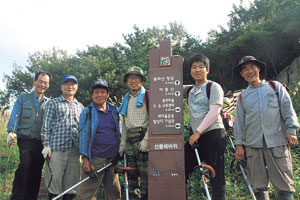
194	138
11	138
292	139
239	152
143	146
122	149
46	151
87	165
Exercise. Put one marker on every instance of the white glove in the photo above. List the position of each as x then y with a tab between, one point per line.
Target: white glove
122	149
124	137
11	138
143	146
46	151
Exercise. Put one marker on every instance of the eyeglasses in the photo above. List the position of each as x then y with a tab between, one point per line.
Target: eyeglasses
134	78
43	82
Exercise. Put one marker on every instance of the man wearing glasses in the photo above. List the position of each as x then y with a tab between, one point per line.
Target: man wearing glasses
135	130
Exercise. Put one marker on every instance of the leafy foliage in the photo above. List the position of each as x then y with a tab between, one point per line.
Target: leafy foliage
267	29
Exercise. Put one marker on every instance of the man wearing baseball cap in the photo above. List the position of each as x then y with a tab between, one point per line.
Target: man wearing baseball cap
61	140
135	130
99	143
265	128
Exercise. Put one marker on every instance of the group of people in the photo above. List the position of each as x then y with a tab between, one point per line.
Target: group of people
61	130
265	127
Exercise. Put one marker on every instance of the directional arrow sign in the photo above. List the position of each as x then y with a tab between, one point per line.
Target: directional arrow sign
177	82
177	93
177	109
177	126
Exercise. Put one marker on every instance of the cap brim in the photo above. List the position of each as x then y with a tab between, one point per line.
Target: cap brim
70	79
237	69
99	86
144	79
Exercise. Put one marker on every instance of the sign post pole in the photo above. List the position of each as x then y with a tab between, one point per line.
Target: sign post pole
166	177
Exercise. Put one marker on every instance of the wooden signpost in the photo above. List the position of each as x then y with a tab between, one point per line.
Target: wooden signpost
166	177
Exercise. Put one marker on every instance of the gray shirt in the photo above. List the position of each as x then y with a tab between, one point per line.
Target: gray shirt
199	105
260	114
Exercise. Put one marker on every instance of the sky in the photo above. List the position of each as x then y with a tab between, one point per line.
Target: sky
40	25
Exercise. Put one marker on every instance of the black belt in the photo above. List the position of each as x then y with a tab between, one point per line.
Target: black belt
138	129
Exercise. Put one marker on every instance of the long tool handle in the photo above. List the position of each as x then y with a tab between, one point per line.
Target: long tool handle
243	172
203	177
126	178
8	157
82	181
4	182
247	182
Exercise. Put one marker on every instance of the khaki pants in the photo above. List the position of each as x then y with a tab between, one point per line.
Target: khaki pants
270	164
112	189
65	166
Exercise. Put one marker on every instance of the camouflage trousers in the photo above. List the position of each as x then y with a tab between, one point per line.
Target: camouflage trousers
138	180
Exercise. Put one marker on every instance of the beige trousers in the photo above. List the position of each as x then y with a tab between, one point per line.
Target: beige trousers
112	189
270	164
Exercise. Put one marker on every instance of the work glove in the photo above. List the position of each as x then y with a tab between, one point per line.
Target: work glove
46	151
143	145
123	138
122	149
11	138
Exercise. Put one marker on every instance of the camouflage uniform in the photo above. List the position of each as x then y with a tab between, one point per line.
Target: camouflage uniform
135	132
135	126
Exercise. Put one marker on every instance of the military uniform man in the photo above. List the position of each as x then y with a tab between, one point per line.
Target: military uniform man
135	130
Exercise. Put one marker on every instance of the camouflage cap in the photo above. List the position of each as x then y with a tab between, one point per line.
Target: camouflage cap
137	71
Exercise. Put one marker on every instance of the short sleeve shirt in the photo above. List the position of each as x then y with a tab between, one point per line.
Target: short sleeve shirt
199	105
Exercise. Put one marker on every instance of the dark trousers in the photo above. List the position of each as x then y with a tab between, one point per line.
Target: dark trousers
27	180
211	150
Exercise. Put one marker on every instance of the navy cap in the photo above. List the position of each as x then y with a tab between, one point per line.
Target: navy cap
100	83
69	77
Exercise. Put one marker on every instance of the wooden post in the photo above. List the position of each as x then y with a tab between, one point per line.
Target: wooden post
166	177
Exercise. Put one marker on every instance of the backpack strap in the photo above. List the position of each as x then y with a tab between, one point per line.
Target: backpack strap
208	88
240	97
89	116
187	93
146	100
272	85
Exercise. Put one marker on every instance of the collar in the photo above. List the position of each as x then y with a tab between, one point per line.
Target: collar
197	89
62	98
99	110
36	98
263	82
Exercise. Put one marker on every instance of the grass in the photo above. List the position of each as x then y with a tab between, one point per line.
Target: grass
13	162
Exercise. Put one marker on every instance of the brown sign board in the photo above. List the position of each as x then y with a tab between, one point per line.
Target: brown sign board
166	173
166	114
166	177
